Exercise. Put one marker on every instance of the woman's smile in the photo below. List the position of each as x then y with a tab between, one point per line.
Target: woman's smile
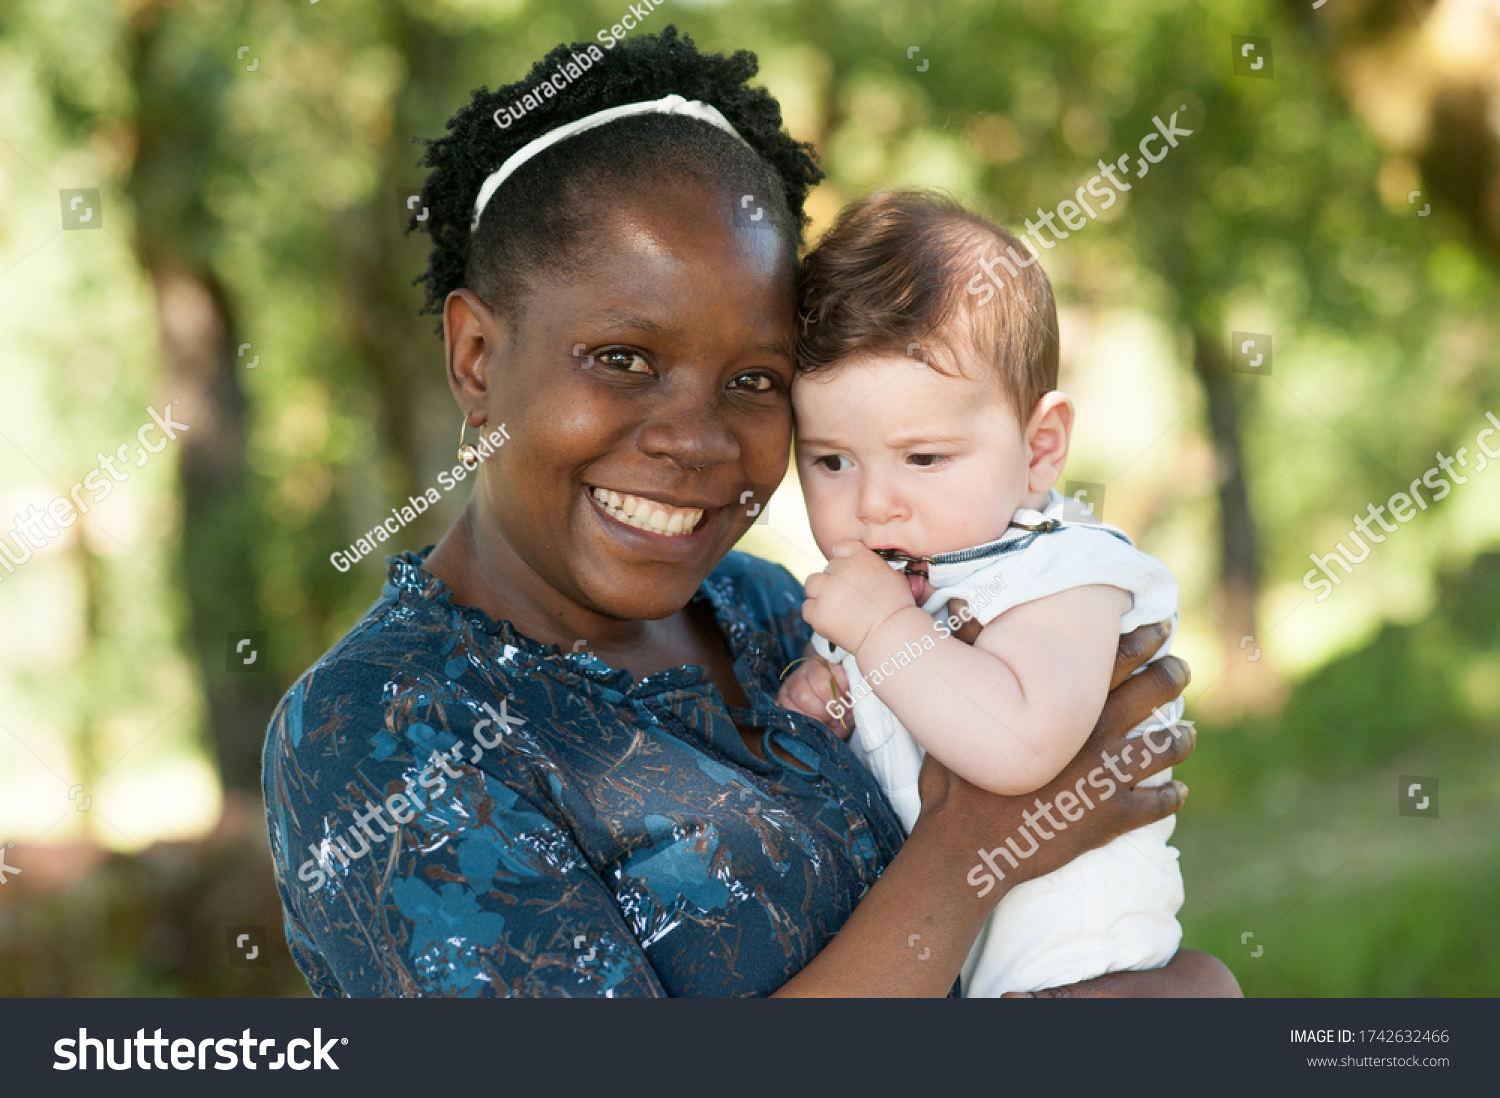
650	527
645	513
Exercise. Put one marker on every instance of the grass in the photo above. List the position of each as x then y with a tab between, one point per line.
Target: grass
1293	833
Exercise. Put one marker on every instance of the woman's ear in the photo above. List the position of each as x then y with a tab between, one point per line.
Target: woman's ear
470	336
1047	435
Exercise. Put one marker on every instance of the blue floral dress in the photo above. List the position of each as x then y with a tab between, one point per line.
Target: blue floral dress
455	809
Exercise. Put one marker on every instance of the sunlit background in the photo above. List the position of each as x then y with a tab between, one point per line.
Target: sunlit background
247	261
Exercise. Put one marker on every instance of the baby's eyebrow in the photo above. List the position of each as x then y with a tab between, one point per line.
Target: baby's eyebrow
904	441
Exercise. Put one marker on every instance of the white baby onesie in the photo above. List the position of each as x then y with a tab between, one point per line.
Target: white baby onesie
1110	909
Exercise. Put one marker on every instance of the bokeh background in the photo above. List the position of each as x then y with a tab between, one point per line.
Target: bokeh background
246	261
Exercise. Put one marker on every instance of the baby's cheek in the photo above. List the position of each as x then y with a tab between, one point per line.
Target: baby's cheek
827	516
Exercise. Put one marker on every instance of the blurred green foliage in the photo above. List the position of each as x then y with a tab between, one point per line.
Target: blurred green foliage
1292	832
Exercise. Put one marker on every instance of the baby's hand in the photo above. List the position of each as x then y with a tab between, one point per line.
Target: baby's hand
855	594
813	688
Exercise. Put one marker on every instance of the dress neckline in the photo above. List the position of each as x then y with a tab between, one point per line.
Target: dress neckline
408	572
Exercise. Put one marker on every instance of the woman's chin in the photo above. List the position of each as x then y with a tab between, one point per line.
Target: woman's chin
626	586
650	602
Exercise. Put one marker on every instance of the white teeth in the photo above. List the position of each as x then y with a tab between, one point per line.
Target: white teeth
645	514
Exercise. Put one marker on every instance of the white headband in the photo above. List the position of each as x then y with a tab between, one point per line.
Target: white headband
671	104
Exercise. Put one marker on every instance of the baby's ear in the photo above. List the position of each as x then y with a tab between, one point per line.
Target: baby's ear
1047	434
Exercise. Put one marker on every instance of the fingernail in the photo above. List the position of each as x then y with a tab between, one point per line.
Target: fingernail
1176	671
1182	791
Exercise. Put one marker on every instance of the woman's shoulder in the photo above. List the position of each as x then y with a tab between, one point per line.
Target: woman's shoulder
410	650
387	635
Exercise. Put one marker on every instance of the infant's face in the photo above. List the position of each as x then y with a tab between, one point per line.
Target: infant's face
899	456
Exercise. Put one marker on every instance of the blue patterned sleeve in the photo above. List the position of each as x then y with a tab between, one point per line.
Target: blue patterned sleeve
406	871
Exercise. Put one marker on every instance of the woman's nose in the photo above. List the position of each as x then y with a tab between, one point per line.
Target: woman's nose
694	436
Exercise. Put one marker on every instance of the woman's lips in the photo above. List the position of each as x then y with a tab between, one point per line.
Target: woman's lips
646	542
650	515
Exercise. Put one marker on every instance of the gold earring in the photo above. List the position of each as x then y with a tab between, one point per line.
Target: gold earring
467	452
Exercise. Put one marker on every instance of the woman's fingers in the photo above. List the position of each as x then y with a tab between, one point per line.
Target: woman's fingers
1133	701
1151	752
1102	778
1136	648
958	610
1146	804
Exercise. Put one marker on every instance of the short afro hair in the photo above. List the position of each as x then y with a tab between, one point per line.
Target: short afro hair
535	219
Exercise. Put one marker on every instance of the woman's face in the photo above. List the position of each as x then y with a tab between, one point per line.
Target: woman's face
645	395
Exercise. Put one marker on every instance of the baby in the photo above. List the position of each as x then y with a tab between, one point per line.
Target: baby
930	433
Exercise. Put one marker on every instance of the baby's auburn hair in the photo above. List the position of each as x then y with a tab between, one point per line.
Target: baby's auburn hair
902	267
541	214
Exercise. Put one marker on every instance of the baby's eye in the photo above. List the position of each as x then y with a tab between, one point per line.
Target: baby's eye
834	463
926	461
754	383
629	362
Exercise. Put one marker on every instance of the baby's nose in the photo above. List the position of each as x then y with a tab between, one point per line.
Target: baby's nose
880	503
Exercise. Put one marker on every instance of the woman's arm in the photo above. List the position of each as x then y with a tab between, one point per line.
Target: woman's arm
1189	974
913	930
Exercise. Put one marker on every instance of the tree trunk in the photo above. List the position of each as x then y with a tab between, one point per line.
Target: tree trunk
1243	685
177	131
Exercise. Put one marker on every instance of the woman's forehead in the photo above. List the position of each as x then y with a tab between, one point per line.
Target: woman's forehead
650	265
690	220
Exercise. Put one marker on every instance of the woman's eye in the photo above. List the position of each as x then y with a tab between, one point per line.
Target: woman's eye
755	383
628	362
927	461
834	463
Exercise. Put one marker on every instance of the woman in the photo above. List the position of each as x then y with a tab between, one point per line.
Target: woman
548	760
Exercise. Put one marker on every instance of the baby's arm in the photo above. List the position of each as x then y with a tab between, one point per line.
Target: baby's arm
1008	713
1005	714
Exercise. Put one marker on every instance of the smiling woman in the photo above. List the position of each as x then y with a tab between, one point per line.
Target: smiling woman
649	822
